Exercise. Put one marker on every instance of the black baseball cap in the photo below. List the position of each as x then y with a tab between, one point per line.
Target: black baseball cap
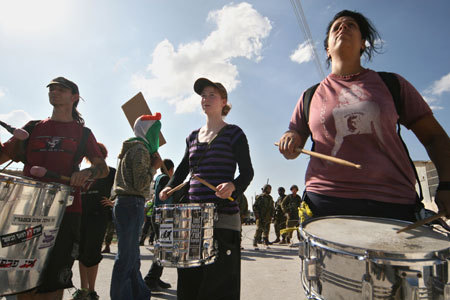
65	83
201	83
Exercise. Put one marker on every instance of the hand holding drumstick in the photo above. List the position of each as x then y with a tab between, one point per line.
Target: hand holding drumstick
326	157
222	190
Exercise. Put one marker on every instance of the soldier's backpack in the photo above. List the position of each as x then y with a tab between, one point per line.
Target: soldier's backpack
392	83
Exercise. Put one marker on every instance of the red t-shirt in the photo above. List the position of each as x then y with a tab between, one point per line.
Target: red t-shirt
52	145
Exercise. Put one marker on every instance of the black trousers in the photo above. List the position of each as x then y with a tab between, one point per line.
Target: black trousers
220	280
322	206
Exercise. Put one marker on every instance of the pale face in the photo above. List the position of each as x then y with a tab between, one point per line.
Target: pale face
212	102
61	96
345	35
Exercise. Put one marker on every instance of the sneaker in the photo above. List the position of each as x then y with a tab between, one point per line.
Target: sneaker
92	295
164	285
80	294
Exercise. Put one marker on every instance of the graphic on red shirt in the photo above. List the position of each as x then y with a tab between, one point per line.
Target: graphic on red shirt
355	115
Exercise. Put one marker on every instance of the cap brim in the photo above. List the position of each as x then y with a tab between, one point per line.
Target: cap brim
201	83
56	82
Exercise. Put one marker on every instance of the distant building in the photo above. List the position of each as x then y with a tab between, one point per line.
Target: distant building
429	181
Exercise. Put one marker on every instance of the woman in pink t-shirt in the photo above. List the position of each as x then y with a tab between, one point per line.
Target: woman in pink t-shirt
352	116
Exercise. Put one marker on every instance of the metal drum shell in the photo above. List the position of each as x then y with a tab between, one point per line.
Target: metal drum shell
180	254
335	270
23	198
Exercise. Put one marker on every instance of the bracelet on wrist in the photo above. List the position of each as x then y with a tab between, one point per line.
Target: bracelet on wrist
443	186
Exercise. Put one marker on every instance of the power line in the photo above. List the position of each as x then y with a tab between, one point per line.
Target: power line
301	19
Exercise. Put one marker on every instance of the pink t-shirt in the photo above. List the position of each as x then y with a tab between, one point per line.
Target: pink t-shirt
354	118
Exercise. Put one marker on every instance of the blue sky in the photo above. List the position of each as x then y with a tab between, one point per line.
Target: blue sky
113	49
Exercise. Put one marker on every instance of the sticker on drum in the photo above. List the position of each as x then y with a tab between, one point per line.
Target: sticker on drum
30	214
166	234
350	257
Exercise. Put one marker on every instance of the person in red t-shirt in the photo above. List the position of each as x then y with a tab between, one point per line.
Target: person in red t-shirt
52	145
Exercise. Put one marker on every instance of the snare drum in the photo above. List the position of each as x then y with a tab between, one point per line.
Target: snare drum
348	257
30	214
185	235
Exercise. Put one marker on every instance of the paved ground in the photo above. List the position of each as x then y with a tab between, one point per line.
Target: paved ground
266	274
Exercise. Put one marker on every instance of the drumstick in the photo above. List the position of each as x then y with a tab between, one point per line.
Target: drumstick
422	222
18	133
43	172
209	185
178	187
327	157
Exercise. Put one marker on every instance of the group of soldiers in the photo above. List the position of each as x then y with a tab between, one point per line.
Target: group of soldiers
284	214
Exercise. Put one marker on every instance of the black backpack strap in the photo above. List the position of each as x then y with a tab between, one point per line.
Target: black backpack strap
81	148
392	83
21	146
307	97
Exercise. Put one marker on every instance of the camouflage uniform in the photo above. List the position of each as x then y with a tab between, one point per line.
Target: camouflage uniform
243	209
279	218
290	207
264	210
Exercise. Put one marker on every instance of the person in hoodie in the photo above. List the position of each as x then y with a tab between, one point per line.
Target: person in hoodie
138	162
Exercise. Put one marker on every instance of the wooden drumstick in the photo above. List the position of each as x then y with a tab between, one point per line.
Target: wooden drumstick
178	187
327	157
422	222
209	185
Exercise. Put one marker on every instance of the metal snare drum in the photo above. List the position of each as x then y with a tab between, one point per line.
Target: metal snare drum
30	214
349	257
185	235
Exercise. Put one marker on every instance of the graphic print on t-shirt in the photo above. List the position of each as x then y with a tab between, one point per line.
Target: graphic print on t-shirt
354	115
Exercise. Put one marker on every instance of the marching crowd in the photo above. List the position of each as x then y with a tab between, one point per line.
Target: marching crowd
352	114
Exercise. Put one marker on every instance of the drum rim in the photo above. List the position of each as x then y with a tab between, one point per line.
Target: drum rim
29	181
186	205
372	254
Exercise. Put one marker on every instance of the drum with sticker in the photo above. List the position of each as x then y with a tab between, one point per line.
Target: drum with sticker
30	214
185	235
349	257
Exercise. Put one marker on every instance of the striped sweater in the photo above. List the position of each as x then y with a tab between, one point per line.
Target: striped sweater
216	163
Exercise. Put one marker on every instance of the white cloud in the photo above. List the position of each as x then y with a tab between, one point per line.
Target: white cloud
303	53
2	92
440	86
16	118
29	16
240	32
121	64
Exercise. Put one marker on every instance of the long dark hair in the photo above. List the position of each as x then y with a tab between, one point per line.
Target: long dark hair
76	115
367	29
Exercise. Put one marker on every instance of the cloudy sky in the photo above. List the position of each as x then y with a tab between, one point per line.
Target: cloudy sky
113	49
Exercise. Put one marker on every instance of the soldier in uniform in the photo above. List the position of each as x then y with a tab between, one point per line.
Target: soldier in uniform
279	217
290	206
264	209
243	210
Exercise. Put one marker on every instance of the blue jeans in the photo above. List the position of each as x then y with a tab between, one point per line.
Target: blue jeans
126	281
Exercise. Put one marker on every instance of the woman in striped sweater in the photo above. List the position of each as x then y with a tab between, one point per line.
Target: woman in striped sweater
212	153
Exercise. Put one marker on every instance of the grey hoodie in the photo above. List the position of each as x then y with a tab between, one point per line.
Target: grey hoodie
134	173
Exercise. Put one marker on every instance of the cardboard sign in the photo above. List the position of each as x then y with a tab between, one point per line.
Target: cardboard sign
136	107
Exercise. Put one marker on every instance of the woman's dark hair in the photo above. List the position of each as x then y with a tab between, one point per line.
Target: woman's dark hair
76	114
367	29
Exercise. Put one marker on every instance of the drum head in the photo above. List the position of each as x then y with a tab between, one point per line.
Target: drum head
376	235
